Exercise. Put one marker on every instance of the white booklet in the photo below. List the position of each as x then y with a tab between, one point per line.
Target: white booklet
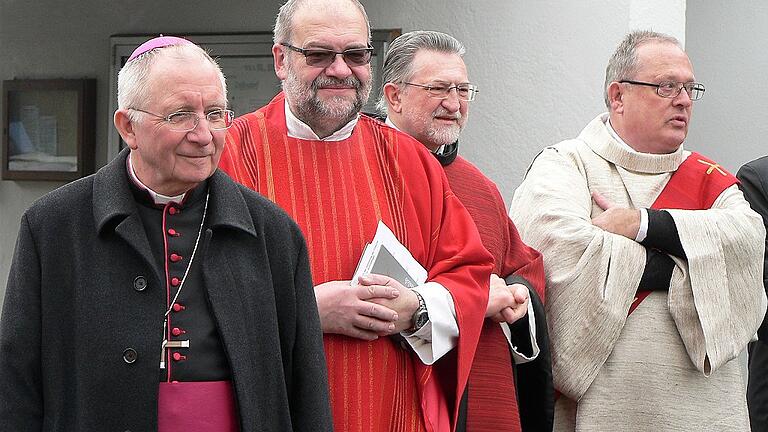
385	255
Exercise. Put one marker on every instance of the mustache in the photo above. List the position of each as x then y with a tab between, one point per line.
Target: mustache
442	112
323	81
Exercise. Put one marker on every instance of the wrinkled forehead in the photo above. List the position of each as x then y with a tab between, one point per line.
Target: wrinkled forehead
663	60
183	80
439	66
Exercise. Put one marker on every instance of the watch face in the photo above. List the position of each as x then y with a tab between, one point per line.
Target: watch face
421	318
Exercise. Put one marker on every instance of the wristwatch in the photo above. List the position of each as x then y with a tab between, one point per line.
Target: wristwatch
421	316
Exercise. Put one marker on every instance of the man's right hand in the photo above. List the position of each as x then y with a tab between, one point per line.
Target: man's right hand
346	309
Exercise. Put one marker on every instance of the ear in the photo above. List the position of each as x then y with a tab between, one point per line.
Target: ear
393	95
278	55
616	97
125	127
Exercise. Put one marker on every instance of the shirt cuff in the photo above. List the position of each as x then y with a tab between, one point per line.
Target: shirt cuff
441	333
518	357
643	231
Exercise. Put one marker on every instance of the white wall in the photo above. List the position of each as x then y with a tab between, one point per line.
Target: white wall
726	43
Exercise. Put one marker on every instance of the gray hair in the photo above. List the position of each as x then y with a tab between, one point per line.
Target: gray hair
134	78
623	62
398	62
284	23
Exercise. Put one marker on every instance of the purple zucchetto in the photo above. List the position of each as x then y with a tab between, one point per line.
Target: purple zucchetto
158	42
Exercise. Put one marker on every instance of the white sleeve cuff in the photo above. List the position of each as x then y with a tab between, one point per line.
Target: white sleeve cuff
441	333
642	232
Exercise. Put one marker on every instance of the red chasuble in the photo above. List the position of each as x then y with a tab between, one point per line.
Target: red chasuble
337	192
492	405
695	185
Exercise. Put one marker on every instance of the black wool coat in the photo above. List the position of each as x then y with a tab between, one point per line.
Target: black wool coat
73	310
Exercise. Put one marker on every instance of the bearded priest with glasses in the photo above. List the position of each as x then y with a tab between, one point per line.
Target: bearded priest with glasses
161	266
653	257
398	358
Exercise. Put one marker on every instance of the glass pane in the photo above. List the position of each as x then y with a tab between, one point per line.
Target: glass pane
42	130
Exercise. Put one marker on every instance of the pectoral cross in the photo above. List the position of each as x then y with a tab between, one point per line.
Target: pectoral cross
171	344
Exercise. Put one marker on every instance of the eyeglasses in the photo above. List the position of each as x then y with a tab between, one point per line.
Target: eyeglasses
185	121
465	92
323	58
670	89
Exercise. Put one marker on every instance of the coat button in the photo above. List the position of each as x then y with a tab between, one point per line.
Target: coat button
140	283
175	257
178	307
177	331
173	210
172	232
178	357
175	281
129	355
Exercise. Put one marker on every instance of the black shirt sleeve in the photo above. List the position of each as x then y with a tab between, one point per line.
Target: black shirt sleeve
662	233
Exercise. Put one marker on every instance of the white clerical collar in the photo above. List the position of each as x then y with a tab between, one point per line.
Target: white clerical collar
299	129
389	123
159	199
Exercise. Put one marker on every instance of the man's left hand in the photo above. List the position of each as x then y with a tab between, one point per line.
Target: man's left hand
616	220
405	304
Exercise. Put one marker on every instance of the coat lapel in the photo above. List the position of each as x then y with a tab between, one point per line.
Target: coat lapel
115	206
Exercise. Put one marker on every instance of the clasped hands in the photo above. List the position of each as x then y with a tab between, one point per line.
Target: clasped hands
381	306
377	306
506	303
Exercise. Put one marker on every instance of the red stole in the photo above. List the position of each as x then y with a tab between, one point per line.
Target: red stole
694	186
337	192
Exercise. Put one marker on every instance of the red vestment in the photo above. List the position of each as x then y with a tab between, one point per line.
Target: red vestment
492	405
337	192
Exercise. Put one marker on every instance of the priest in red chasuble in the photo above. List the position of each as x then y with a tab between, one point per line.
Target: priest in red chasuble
653	258
397	358
427	95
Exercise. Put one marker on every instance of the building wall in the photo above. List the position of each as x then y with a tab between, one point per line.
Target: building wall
726	42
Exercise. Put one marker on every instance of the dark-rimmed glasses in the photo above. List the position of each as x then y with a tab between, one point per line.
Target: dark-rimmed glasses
185	121
465	92
670	89
319	57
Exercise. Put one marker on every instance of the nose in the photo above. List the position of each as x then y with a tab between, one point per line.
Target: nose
202	133
682	99
339	68
452	102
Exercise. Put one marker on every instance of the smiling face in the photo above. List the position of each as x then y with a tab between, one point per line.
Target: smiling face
172	162
325	98
432	121
646	121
